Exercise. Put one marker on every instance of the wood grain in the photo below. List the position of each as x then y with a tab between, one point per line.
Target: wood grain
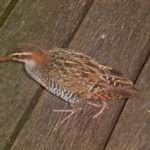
3	5
6	7
115	33
133	131
48	23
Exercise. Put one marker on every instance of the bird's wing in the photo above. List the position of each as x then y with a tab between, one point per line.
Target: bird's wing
73	70
81	74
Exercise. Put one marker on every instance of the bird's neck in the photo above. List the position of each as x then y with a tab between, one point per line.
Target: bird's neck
39	57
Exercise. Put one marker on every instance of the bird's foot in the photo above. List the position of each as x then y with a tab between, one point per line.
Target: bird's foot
103	106
71	113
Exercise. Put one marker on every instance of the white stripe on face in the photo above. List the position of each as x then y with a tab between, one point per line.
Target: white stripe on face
22	53
21	57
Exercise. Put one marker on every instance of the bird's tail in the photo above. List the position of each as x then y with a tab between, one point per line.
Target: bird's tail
115	93
126	92
132	91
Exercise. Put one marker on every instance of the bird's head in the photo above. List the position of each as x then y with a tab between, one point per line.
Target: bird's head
25	57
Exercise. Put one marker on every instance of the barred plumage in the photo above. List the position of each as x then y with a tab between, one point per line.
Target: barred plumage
37	73
61	92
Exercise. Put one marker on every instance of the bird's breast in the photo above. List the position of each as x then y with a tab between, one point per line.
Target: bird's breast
43	78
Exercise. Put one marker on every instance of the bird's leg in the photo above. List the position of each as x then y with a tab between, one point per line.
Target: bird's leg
103	106
70	111
94	104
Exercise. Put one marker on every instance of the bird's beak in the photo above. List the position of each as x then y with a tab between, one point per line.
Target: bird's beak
21	57
6	58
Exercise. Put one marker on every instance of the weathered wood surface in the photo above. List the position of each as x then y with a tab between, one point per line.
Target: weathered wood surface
3	5
115	33
133	130
48	23
6	7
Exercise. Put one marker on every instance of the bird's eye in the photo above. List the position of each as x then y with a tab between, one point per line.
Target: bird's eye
21	56
18	56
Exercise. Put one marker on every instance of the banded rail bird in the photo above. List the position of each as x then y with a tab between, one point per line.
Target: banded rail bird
74	77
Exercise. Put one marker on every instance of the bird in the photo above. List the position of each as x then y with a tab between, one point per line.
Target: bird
76	78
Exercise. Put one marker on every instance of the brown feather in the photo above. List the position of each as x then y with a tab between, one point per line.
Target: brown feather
79	73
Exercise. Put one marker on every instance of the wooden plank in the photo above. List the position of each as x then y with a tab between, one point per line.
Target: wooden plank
3	5
133	131
115	33
6	7
48	23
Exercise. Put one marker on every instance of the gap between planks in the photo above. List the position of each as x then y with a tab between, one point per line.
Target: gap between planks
24	118
66	44
125	102
7	12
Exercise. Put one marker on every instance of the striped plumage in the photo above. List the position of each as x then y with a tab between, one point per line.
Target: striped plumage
75	77
83	76
44	75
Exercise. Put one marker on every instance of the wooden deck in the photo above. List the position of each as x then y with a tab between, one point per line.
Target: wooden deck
116	33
